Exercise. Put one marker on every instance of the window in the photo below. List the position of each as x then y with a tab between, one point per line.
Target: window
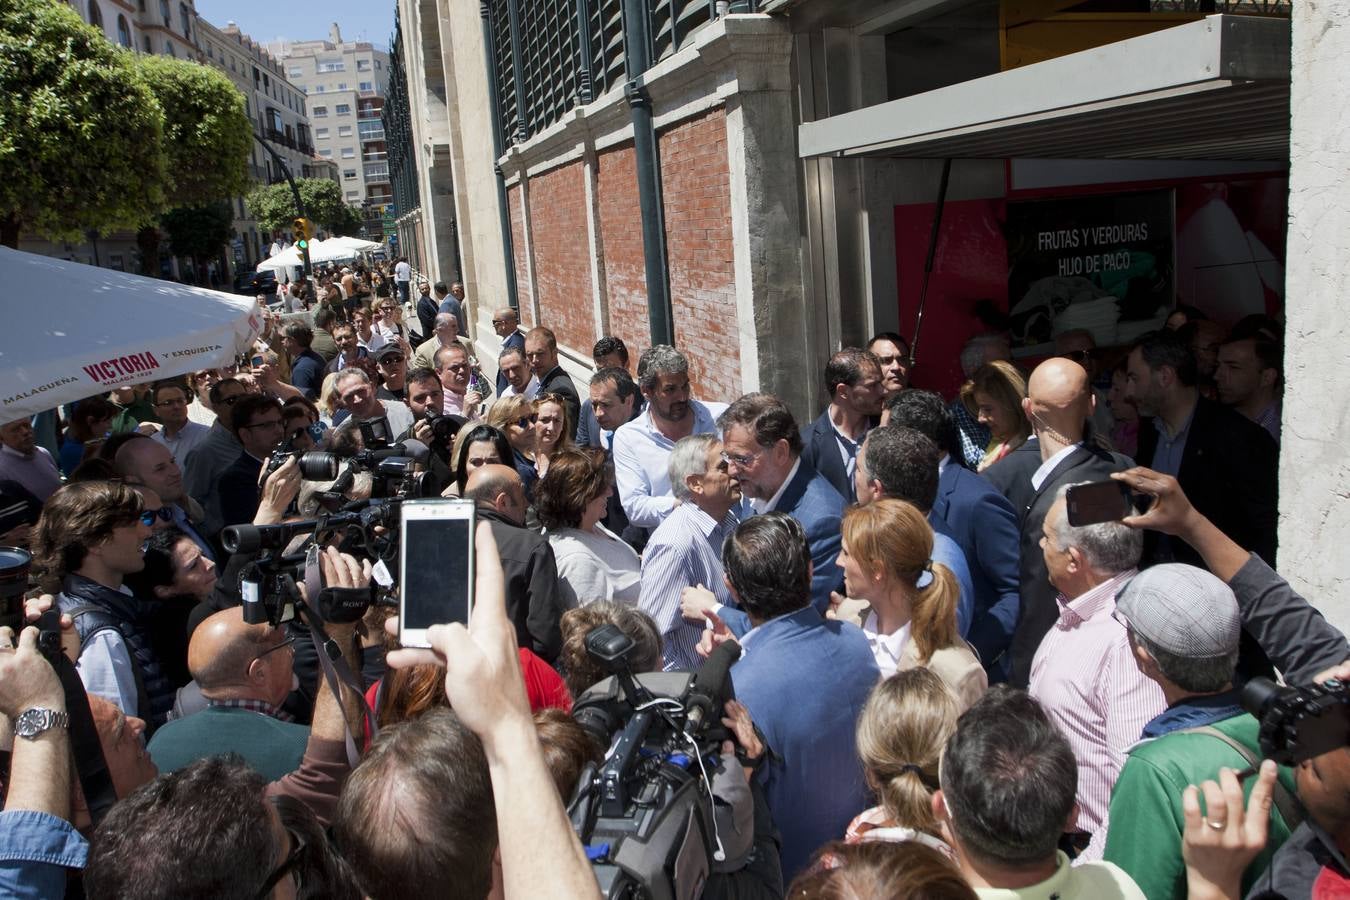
296	71
349	153
168	48
331	66
344	131
186	16
348	174
370	131
95	15
145	44
320	112
353	195
319	88
210	51
343	109
342	85
363	65
326	153
367	85
123	32
378	66
321	133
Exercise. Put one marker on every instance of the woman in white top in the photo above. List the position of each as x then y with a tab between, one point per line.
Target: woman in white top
570	500
886	547
389	320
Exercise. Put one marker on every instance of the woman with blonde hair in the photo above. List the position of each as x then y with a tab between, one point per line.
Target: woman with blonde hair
515	418
886	548
900	736
994	396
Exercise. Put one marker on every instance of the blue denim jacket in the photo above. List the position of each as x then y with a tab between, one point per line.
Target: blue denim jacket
36	848
1194	712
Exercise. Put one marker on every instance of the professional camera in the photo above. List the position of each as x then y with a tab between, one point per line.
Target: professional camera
393	470
287	449
1299	723
444	428
647	812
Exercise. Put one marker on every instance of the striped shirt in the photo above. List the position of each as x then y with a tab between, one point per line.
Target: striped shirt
684	551
1085	676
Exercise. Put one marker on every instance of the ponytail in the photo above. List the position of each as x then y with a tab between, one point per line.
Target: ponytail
933	614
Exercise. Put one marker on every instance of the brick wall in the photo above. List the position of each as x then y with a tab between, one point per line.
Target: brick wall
513	202
562	255
697	198
621	234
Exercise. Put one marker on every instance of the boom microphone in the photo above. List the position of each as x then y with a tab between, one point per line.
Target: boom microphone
710	688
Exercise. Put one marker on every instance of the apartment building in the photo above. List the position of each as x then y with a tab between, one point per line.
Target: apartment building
345	83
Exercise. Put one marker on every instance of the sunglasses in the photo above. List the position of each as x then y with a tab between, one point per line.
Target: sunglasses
150	516
1078	356
288	866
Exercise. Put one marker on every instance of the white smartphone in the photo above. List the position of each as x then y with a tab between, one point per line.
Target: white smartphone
436	551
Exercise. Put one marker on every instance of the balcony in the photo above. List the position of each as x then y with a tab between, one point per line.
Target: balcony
374	134
376	172
372	115
376	157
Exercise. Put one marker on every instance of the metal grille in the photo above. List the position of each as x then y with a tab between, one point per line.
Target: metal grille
549	50
1279	8
396	122
557	54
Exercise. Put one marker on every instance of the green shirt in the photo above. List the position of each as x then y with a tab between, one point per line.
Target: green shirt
270	746
1145	823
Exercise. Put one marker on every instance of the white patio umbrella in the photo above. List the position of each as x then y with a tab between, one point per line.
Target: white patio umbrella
95	329
286	259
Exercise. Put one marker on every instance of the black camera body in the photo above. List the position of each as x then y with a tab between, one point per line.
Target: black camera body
1299	723
646	813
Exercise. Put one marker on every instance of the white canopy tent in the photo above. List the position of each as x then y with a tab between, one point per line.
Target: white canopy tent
91	330
337	249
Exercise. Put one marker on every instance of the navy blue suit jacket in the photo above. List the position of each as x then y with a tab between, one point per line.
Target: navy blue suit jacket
820	448
514	340
984	524
805	680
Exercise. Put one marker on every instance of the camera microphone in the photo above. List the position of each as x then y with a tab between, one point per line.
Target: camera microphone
710	688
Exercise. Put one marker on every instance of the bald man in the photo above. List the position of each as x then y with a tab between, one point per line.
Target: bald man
244	673
534	599
1059	402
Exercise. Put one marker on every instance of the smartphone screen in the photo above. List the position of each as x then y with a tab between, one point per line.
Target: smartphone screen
437	573
1100	501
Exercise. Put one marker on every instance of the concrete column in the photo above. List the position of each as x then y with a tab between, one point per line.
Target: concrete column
1314	469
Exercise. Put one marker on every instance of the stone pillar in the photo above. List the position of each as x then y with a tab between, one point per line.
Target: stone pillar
1314	468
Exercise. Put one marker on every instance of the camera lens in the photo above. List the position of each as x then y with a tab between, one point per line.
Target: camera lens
14	565
317	465
1258	694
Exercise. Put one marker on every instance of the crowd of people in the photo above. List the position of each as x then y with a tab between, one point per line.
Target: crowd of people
946	688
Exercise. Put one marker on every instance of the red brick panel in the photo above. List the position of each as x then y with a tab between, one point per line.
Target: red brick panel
562	255
513	203
621	236
697	197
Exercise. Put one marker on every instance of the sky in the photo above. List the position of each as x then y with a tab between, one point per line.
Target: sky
267	20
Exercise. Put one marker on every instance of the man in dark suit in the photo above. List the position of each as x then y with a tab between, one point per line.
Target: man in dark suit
831	443
506	323
541	352
1226	464
980	519
763	450
258	423
1059	403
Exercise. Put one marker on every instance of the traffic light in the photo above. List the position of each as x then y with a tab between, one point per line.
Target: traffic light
304	230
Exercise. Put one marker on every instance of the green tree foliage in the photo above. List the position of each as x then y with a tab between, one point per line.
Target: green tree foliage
80	134
198	231
207	134
274	206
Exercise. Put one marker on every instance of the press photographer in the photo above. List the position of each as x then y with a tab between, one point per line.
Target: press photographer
431	426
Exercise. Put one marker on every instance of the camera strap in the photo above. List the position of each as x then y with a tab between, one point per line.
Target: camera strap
335	668
1290	809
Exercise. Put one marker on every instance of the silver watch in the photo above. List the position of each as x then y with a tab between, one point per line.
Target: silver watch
32	722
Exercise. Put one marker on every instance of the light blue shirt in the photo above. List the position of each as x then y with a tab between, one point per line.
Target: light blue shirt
684	551
36	848
641	463
1167	455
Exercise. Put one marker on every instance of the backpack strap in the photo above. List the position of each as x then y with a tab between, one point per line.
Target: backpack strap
1290	809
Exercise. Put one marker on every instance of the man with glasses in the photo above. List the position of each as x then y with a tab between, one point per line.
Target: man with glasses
199	410
1079	345
244	672
1103	712
392	364
506	322
358	395
216	454
259	425
149	464
88	540
179	434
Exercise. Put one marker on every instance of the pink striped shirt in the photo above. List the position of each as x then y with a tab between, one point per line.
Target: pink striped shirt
1085	676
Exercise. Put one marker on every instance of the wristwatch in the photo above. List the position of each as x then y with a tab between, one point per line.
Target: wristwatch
33	722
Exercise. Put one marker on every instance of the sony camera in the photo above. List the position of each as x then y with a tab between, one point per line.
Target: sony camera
647	813
1299	723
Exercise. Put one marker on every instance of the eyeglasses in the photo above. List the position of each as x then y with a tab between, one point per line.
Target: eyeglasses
150	516
271	423
740	461
392	359
527	421
286	643
288	865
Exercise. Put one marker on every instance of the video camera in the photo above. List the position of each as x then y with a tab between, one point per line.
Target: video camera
1299	723
646	814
